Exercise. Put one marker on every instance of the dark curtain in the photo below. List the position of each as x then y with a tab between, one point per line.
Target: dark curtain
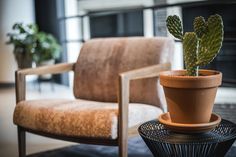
47	13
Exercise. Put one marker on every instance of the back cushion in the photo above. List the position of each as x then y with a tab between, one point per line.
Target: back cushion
101	60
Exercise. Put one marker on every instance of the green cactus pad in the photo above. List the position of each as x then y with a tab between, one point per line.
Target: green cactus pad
211	41
202	45
174	26
190	53
200	26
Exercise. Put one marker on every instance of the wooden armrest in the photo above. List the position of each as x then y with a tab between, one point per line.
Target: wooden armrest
146	72
51	69
124	86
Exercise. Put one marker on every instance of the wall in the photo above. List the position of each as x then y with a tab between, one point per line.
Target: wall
11	11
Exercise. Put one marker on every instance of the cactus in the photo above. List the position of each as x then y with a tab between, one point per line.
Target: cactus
202	45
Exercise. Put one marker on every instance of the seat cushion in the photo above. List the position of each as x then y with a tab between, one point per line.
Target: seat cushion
80	118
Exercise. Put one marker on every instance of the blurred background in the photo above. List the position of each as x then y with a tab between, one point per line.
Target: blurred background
43	32
72	22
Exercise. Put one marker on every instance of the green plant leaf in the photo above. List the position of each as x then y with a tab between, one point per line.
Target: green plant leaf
211	41
174	26
190	53
200	26
40	46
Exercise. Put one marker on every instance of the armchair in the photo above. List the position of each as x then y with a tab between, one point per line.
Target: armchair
116	89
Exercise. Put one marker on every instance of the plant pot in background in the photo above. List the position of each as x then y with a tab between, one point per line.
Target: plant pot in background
46	63
23	59
190	99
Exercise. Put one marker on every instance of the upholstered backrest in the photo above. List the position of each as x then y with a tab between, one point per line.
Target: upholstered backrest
101	60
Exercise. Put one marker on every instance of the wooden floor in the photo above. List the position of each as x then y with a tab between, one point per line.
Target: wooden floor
8	131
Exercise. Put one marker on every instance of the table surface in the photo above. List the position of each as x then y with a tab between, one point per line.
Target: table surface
157	132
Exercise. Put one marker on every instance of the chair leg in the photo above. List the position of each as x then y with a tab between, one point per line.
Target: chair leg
21	142
123	148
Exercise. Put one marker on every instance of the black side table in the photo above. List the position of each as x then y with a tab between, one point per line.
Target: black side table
165	143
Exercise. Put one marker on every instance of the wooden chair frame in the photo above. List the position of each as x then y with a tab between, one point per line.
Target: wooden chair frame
124	83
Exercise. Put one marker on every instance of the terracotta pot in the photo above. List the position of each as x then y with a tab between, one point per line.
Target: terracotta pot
190	99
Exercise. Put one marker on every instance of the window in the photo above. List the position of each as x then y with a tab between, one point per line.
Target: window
122	24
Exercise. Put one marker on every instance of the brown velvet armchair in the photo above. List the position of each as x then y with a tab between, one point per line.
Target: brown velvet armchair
115	87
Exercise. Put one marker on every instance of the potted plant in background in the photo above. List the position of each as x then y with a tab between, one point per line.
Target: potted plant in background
46	51
23	38
31	45
190	93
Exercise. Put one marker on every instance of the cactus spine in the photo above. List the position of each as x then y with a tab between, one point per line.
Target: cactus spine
202	45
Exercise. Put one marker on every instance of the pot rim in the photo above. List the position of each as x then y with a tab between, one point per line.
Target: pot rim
178	79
